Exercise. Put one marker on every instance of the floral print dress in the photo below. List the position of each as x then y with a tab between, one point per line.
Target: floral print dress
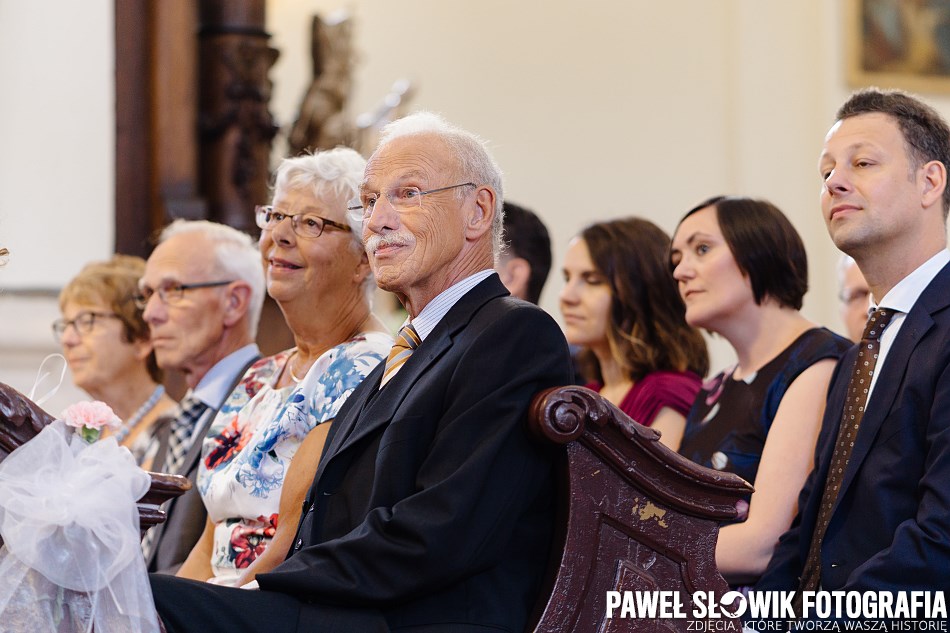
255	435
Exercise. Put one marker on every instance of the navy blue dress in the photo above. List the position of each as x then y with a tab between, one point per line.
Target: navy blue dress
730	419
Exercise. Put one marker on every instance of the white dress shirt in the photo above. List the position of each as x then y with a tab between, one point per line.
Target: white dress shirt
902	298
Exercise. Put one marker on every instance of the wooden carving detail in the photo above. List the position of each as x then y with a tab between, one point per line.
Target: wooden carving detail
235	126
638	516
20	419
323	122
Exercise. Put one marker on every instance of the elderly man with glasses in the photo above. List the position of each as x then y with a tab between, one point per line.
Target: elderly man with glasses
201	293
431	509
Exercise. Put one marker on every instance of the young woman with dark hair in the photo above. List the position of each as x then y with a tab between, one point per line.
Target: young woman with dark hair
742	272
620	305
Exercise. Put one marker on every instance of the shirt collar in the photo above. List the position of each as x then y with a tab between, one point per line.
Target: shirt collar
213	387
430	316
904	295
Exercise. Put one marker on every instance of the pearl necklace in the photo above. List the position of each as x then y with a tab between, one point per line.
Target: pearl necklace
140	413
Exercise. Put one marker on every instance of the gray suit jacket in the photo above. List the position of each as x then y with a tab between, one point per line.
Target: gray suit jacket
185	515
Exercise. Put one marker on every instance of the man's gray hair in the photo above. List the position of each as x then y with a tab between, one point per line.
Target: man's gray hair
333	174
844	263
474	160
235	255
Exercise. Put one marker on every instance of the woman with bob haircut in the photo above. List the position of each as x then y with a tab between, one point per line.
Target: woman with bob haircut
742	272
621	306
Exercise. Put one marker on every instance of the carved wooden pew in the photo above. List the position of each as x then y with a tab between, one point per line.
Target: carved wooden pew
635	516
21	419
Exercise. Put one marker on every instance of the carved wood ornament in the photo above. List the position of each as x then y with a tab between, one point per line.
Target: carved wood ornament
635	516
193	129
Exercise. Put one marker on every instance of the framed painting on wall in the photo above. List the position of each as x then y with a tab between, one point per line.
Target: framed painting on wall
899	44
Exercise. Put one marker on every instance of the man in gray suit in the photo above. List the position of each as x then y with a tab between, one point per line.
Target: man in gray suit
202	294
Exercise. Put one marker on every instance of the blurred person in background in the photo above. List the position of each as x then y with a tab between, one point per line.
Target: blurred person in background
263	448
854	297
742	272
201	292
524	264
622	308
108	348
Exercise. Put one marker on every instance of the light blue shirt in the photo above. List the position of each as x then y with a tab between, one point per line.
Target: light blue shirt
436	309
215	386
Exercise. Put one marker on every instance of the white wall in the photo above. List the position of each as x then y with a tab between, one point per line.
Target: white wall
57	139
595	109
610	108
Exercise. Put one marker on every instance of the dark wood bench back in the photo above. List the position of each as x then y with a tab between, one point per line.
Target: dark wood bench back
635	515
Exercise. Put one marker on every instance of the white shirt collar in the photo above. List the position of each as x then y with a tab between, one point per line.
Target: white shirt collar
904	295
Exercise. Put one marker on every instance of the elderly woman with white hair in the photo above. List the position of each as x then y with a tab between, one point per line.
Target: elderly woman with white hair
263	448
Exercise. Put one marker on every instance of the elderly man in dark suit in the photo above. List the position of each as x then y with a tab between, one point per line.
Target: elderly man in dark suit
875	512
431	509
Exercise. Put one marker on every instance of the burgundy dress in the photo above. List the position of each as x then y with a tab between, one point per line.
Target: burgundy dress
674	389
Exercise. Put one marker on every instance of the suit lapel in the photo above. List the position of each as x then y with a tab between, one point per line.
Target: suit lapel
379	411
191	458
194	452
916	325
373	413
343	425
210	413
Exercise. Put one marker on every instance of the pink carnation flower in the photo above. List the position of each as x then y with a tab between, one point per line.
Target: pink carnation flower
92	415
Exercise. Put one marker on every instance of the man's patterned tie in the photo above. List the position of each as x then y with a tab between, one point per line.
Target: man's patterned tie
406	342
182	429
870	347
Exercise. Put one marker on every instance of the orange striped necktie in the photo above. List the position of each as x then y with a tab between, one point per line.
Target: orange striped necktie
406	342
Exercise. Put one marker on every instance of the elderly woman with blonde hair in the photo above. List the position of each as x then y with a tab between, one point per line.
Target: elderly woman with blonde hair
108	350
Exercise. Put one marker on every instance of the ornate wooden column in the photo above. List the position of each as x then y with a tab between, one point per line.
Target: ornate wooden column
134	214
235	126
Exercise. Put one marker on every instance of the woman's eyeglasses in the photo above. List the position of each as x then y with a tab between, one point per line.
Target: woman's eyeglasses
83	322
304	224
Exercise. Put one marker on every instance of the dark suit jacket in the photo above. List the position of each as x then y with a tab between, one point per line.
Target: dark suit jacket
431	504
890	528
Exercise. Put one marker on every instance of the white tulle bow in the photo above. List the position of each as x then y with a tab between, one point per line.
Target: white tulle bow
71	557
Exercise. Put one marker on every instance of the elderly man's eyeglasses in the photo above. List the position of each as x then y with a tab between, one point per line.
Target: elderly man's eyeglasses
303	224
173	293
83	322
400	198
